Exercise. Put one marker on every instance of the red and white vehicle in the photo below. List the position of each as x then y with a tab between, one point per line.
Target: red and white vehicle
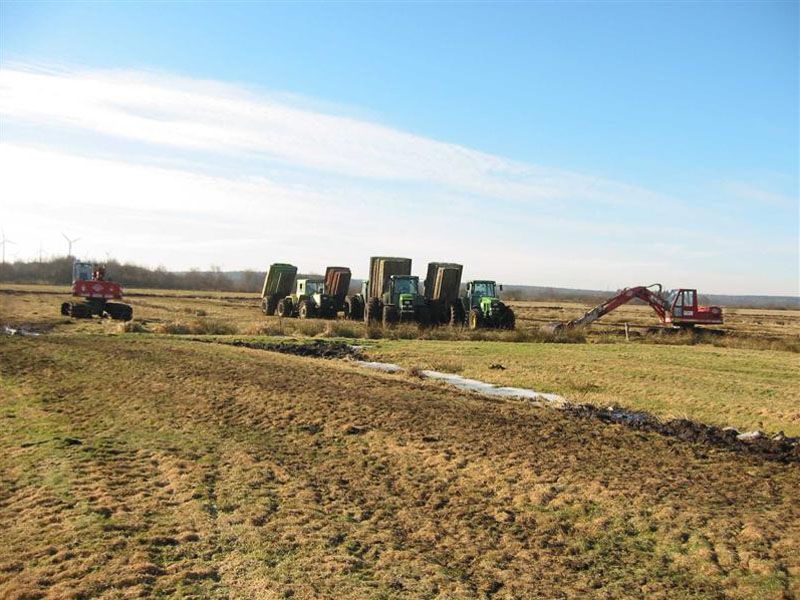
89	282
675	308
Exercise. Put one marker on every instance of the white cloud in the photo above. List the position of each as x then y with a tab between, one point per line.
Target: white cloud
166	170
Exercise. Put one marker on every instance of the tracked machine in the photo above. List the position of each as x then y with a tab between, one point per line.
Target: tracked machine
677	309
89	282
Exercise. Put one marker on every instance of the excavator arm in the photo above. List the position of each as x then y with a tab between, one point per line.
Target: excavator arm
641	292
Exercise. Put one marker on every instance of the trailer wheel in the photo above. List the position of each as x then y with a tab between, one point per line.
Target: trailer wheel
456	314
269	304
284	308
475	319
373	311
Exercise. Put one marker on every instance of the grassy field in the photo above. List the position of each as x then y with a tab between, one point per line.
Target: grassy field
708	378
153	465
747	389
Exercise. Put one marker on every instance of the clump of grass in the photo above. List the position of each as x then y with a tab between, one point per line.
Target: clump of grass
197	312
199	326
309	328
344	329
129	327
267	328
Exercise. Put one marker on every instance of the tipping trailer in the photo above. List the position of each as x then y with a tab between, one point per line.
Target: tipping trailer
675	308
89	282
483	307
392	293
442	286
277	285
337	284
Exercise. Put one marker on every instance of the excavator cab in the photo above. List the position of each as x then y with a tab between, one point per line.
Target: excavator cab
682	303
683	310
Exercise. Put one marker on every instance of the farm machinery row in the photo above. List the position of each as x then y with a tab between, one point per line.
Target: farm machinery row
389	296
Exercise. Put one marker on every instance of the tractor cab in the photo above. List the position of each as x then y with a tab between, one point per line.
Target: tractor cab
482	295
682	309
310	287
404	291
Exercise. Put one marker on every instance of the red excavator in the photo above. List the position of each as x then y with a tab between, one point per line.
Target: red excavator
675	308
89	282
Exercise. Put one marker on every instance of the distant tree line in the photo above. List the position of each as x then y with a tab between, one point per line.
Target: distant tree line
58	271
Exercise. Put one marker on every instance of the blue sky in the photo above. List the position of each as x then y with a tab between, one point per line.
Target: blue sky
586	145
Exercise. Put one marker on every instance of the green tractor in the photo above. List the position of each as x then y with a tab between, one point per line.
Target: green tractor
393	294
483	307
308	302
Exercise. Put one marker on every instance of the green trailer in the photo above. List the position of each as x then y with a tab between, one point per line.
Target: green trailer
442	286
277	285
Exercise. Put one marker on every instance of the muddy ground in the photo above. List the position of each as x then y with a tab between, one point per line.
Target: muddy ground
135	466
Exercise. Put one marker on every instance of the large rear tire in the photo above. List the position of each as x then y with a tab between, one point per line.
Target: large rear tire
508	319
356	310
424	316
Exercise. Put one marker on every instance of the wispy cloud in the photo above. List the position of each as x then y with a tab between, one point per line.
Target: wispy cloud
164	169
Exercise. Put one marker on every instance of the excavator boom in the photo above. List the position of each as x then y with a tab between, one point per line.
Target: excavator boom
641	292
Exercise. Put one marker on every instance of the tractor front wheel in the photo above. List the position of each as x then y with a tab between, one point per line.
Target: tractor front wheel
475	319
306	310
284	308
390	315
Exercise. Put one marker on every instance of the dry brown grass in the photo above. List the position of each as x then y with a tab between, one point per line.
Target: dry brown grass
235	472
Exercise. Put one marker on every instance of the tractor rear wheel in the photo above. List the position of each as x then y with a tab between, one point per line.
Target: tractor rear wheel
508	320
475	319
424	316
353	308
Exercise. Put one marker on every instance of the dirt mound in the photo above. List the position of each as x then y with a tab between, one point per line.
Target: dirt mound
313	348
778	447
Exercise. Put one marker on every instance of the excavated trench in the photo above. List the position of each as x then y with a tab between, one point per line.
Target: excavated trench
776	447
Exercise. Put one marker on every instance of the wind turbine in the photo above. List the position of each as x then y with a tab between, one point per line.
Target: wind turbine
69	244
5	241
